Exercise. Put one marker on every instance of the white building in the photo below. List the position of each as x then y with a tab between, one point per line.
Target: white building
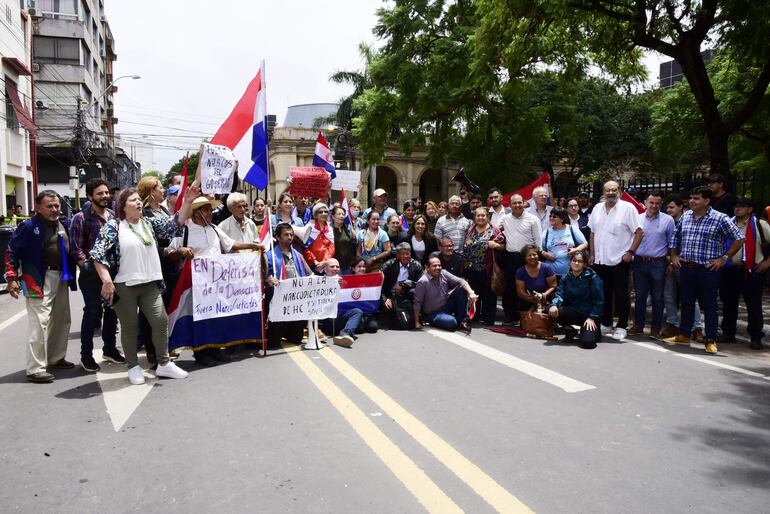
16	173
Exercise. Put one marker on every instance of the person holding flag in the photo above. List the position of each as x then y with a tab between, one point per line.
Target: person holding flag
323	158
284	262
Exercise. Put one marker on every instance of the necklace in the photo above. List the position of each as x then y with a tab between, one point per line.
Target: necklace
145	236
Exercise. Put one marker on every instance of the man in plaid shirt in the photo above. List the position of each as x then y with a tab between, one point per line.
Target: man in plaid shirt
697	248
84	229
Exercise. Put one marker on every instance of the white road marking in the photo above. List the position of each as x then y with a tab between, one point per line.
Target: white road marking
705	360
13	319
565	383
120	397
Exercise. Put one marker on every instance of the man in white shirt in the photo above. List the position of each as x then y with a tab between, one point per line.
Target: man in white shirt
201	238
496	209
239	226
520	228
616	233
540	208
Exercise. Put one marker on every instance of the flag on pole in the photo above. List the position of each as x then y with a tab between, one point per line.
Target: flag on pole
633	201
323	156
249	112
526	191
345	207
180	198
266	231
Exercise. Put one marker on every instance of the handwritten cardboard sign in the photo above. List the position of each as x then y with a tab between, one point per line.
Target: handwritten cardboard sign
347	180
302	298
309	181
226	285
217	169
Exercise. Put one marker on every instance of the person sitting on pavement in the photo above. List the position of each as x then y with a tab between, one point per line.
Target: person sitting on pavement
128	244
39	253
284	262
372	243
201	238
442	299
239	226
346	325
400	276
579	300
84	230
369	323
535	281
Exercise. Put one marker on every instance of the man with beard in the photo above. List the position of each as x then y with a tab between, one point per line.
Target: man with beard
496	209
84	229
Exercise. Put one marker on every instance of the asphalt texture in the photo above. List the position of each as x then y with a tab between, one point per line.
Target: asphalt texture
660	431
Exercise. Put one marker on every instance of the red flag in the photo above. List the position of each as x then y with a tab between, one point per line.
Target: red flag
183	190
526	191
633	201
265	230
241	119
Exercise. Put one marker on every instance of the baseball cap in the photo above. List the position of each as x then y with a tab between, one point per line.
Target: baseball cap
172	190
380	192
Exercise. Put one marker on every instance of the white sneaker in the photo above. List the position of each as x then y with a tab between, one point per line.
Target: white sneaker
136	375
343	340
619	334
170	370
607	330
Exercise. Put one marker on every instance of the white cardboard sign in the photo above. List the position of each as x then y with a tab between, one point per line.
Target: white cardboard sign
218	165
305	298
347	180
226	285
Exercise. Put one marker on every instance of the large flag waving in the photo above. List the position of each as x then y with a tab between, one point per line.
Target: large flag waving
526	191
633	201
249	112
323	156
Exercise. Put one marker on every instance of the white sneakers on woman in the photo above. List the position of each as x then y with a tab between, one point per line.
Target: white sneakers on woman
168	370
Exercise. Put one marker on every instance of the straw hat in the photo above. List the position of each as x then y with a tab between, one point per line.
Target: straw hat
202	200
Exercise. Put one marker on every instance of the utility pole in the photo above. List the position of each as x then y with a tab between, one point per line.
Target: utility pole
79	145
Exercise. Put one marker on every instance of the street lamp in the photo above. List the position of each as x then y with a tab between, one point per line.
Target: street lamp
107	88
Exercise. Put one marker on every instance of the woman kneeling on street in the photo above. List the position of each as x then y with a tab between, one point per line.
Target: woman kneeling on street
127	246
578	301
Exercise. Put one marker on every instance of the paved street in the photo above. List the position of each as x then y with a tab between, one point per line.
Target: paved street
402	422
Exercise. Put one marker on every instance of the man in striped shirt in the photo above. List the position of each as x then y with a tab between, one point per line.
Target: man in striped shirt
697	248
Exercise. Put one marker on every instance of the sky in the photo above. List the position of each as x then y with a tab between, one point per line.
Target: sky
196	57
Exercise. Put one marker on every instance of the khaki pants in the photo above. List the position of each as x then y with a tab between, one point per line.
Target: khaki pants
48	320
146	297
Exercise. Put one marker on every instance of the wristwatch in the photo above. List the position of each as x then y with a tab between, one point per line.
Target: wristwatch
725	257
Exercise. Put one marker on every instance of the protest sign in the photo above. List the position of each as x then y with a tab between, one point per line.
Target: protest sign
347	180
309	181
226	285
217	169
304	298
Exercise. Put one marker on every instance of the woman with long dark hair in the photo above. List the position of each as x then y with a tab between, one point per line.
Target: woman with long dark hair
421	239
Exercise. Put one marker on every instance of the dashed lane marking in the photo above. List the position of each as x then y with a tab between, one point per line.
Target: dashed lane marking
554	378
484	485
430	495
704	360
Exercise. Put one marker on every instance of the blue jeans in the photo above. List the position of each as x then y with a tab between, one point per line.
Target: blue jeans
91	287
671	299
701	284
649	279
349	321
454	311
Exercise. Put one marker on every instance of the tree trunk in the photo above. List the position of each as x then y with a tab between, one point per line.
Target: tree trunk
718	153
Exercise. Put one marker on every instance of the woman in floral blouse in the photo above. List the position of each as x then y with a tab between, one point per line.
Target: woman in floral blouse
481	241
126	258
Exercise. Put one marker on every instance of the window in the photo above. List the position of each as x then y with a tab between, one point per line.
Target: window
64	9
57	50
11	121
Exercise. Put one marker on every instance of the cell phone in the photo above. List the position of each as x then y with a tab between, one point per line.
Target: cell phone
115	298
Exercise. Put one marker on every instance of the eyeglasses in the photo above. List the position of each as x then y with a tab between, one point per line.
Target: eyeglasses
578	261
322	211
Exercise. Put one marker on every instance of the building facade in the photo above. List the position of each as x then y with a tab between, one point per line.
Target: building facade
16	158
73	55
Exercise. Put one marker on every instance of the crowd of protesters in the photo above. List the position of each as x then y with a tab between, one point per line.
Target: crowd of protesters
444	264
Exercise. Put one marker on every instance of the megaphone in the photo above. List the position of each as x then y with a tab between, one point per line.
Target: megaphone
465	181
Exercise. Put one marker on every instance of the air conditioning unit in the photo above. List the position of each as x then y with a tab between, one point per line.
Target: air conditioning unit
41	105
34	12
35	66
104	19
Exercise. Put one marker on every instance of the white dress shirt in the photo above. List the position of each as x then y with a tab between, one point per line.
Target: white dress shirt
613	231
520	231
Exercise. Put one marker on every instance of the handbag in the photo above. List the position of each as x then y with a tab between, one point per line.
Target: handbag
497	281
535	322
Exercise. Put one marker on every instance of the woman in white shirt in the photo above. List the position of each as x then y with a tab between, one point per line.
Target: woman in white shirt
126	258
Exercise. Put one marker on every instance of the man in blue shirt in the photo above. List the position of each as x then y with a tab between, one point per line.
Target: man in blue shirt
650	263
697	248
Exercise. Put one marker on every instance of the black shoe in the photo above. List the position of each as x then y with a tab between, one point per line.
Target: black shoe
589	345
465	326
488	323
756	343
205	361
89	365
41	377
220	356
113	356
569	337
61	364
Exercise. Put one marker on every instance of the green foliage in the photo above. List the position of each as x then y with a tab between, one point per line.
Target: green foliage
191	167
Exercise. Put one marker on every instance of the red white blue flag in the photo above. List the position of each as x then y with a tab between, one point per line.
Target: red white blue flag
323	156
359	291
345	207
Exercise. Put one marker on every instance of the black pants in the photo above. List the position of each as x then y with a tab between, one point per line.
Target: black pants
292	331
615	280
486	305
570	316
733	284
512	261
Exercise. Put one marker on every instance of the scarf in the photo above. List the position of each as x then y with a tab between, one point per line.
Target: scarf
316	231
749	249
280	264
371	239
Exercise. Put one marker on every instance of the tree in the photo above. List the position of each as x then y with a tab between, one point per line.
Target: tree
176	168
610	33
